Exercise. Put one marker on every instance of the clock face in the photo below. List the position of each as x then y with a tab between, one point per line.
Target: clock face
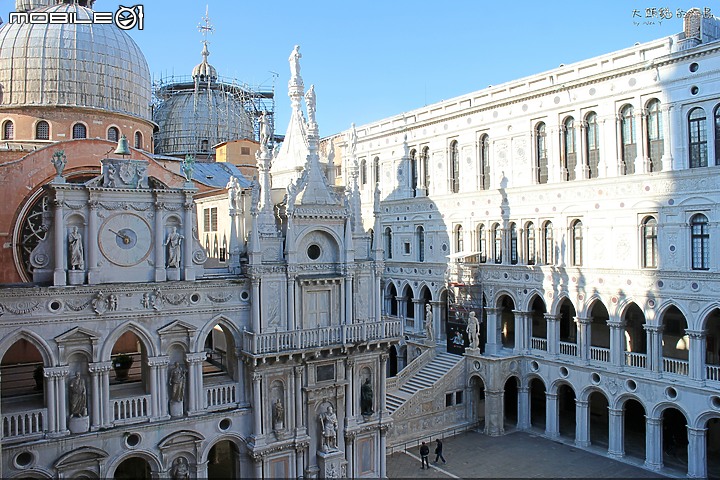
125	239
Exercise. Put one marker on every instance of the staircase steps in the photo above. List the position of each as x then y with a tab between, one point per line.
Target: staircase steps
426	377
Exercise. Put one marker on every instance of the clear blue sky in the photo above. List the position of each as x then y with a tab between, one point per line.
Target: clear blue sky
371	59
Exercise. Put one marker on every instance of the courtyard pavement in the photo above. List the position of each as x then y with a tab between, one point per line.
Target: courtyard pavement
515	455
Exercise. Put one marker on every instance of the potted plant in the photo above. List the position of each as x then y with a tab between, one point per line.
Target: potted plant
121	365
39	377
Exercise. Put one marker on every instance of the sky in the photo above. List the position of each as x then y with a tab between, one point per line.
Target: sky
369	60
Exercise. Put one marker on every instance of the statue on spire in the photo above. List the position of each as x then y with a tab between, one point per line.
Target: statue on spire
310	102
294	60
352	140
265	132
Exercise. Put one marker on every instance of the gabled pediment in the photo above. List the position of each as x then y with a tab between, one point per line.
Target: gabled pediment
182	438
77	335
177	328
82	456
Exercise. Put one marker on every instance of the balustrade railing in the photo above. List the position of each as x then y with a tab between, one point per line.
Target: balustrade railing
600	354
220	396
638	360
538	343
126	410
567	348
280	341
24	424
713	372
678	367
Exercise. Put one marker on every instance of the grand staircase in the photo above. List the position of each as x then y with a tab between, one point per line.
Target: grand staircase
426	377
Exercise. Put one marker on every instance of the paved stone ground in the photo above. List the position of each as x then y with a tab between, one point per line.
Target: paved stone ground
515	455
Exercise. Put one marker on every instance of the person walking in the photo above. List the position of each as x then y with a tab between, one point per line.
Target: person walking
424	452
438	451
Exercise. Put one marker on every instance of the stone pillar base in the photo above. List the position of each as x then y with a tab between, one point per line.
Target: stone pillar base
76	277
78	424
332	464
177	409
173	274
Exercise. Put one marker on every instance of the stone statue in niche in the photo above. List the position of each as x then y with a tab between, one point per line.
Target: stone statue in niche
278	415
78	396
77	255
329	424
366	398
429	331
177	383
180	469
174	243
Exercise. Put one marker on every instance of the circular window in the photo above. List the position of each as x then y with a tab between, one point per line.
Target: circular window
715	402
694	67
244	295
225	424
631	385
55	305
195	298
671	393
564	372
132	440
694	90
595	378
24	459
313	252
534	366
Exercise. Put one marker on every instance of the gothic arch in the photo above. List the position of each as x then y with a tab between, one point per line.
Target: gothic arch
503	293
133	327
590	303
703	315
479	375
664	307
150	457
620	309
47	353
224	322
557	301
530	299
236	439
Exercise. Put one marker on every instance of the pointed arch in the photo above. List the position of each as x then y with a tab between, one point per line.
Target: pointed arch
130	326
224	322
47	353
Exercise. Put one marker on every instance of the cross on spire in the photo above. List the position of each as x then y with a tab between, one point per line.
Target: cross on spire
205	27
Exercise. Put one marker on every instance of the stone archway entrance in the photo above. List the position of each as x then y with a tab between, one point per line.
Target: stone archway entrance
133	468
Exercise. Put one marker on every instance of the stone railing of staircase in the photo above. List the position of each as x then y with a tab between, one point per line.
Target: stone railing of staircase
410	370
414	416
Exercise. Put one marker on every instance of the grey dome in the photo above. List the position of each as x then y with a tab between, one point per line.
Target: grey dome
27	5
85	65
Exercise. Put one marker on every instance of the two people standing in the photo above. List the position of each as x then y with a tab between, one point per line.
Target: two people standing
425	452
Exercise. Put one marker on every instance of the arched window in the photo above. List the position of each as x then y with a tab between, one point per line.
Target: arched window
627	140
484	162
79	131
42	130
650	245
548	257
363	172
497	243
569	149
139	142
376	168
454	167
459	244
371	232
592	140
530	243
577	243
388	242
717	135
697	133
513	244
426	167
420	239
8	130
700	242
541	153
655	145
481	242
113	134
413	172
204	144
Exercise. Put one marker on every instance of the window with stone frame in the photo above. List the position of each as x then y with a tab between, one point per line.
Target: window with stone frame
577	243
655	140
628	142
541	153
79	131
650	242
569	162
700	242
454	167
42	130
592	143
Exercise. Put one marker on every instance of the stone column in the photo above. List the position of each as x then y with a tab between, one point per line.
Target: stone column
291	301
162	375
493	345
51	400
187	260
494	412
641	161
157	384
697	354
553	333
554	140
616	433
196	400
383	451
552	422
258	465
349	454
255	306
653	443
348	298
349	393
581	169
697	450
522	332
201	470
436	319
523	407
95	369
419	312
583	337
582	419
105	406
300	460
619	170
654	347
160	272
59	234
402	307
300	428
617	344
92	248
383	380
257	406
61	385
378	288
667	158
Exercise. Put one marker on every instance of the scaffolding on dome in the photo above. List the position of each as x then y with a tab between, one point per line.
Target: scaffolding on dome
195	115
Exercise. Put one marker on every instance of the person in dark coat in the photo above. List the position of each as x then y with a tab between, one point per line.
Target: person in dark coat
438	451
424	452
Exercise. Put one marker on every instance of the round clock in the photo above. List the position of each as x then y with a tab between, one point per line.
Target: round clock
125	239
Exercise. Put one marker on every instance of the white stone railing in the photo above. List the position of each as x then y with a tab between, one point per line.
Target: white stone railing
411	369
281	341
24	424
713	372
567	348
638	360
130	409
538	343
220	396
673	365
600	354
